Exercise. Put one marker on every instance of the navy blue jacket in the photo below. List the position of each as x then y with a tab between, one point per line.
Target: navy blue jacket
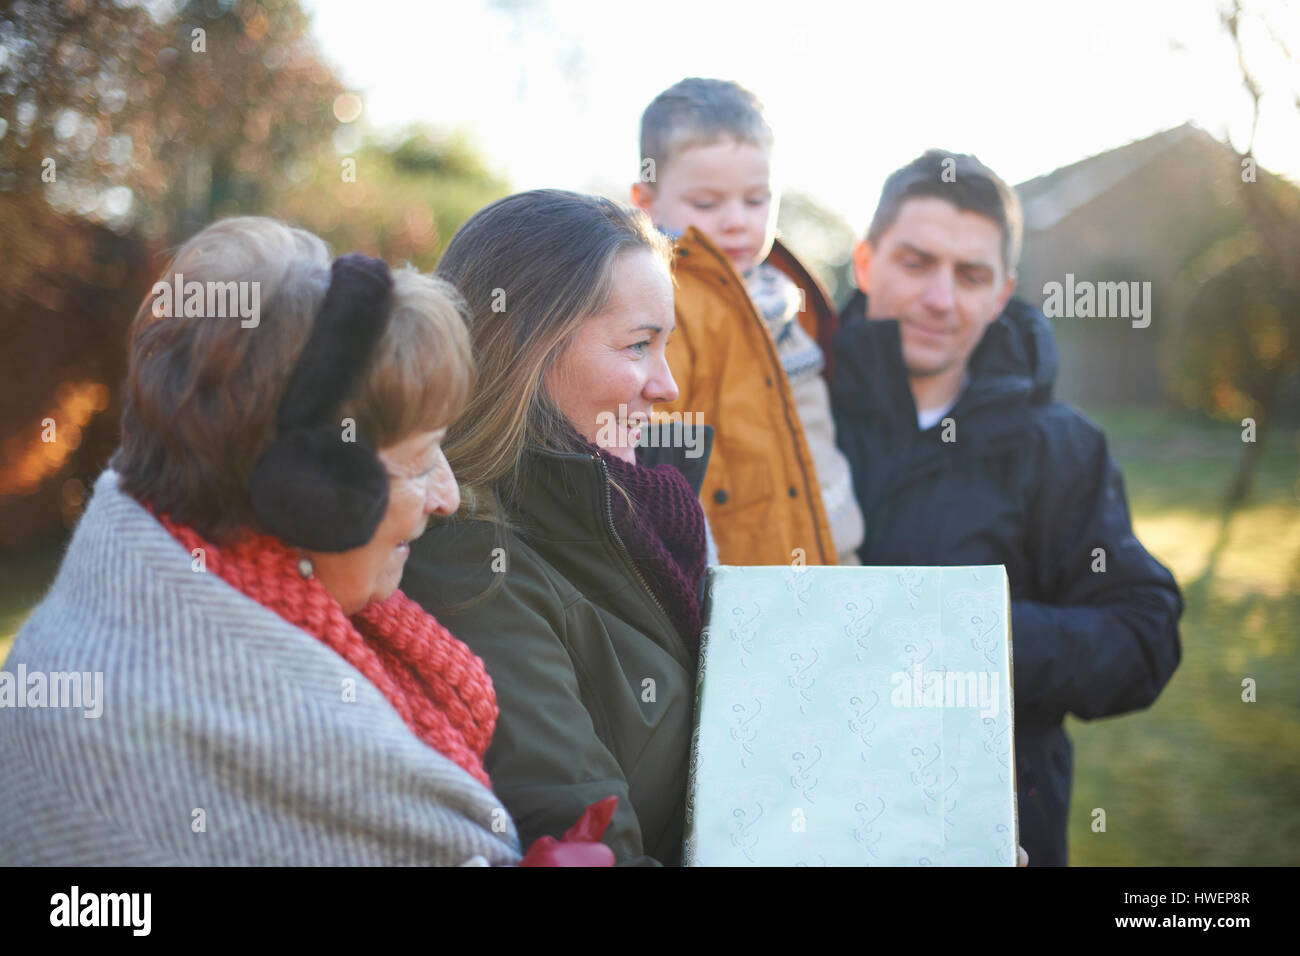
1028	483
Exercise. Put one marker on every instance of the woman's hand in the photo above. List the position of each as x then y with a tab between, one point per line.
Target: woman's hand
1022	856
581	844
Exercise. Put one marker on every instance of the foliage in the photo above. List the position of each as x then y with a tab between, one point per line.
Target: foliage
821	239
1240	345
157	119
125	127
1241	335
408	198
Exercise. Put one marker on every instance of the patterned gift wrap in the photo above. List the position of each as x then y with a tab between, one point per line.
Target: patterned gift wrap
854	716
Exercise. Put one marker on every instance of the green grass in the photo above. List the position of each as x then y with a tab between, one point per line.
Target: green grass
1200	778
24	579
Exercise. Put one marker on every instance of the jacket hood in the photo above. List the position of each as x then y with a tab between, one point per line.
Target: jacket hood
1020	343
1016	360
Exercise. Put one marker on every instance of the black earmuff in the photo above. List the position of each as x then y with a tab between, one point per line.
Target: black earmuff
312	488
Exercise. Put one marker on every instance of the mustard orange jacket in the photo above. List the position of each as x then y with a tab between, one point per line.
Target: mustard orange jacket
761	492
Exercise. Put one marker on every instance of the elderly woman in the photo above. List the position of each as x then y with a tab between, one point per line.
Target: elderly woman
268	696
575	565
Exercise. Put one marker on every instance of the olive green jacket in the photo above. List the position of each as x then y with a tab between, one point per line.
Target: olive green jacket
596	687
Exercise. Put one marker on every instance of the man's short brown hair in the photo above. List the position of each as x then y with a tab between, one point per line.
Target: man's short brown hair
202	391
962	180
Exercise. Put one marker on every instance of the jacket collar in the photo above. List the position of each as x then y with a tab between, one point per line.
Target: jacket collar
686	447
699	253
565	493
692	242
1014	363
818	318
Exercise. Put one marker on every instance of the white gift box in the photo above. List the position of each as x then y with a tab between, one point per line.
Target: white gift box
854	716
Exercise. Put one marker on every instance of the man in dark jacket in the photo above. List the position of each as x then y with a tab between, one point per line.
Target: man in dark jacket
942	390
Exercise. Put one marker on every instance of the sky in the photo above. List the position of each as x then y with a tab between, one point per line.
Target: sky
552	92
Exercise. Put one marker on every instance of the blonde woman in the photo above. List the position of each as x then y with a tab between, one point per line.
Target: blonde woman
574	565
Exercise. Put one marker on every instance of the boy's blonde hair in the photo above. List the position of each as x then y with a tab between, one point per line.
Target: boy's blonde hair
699	112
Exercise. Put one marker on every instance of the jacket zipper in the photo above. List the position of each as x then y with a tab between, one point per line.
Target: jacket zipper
609	516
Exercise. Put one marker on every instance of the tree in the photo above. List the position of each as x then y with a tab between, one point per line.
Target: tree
821	238
400	199
126	127
158	120
1241	342
123	127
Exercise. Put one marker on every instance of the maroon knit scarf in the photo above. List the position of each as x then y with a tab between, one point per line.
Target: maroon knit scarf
664	533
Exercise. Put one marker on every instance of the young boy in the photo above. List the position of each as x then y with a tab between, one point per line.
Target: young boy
745	353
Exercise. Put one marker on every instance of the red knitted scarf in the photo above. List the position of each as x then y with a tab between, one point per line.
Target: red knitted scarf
437	685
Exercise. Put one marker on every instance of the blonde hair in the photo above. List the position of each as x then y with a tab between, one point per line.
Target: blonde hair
532	268
202	390
700	112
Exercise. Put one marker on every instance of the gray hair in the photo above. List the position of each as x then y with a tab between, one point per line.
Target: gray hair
699	112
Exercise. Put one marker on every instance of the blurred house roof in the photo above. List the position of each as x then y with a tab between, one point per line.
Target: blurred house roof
1050	198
